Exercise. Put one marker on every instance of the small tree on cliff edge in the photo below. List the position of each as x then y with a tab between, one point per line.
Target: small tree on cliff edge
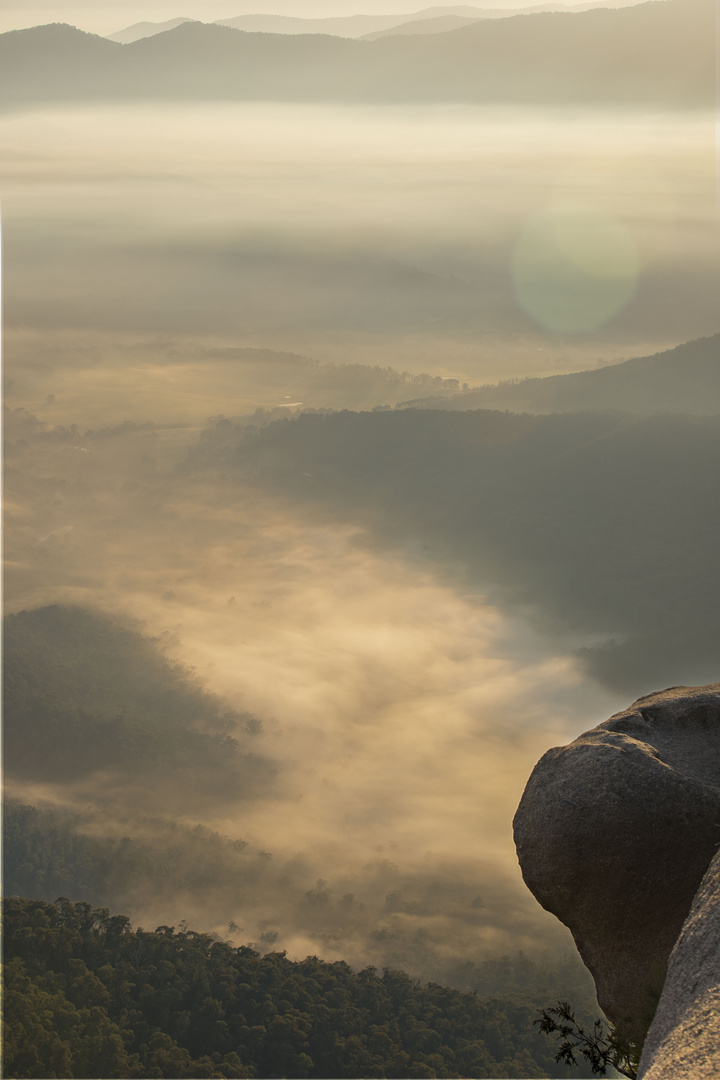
602	1046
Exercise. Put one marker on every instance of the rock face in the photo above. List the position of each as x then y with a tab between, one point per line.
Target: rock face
684	1039
614	833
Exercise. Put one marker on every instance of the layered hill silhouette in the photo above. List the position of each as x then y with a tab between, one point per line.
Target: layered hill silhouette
437	25
355	26
144	29
659	53
681	380
438	20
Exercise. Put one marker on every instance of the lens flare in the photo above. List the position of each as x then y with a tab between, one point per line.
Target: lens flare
574	268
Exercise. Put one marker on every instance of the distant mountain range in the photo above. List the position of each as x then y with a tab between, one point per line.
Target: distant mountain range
437	25
428	21
439	20
681	380
657	53
145	29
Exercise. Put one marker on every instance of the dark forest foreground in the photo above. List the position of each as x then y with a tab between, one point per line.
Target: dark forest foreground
86	995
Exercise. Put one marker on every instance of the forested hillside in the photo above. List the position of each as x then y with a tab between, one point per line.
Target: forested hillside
86	995
292	607
681	380
115	759
608	522
85	692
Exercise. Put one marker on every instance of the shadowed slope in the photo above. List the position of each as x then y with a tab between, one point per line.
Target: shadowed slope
685	379
607	522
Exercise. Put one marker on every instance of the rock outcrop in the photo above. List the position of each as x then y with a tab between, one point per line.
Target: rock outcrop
684	1039
614	834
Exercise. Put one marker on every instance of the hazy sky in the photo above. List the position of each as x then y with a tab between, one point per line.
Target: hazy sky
106	17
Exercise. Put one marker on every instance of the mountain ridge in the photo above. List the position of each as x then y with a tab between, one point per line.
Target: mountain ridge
658	53
685	379
356	26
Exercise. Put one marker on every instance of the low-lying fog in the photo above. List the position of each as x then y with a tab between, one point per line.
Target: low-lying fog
403	718
393	236
403	715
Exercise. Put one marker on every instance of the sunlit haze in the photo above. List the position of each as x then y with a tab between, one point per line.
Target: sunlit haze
319	422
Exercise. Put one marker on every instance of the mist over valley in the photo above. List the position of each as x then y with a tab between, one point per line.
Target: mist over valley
361	439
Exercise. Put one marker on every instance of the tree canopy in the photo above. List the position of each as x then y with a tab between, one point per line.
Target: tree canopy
88	995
